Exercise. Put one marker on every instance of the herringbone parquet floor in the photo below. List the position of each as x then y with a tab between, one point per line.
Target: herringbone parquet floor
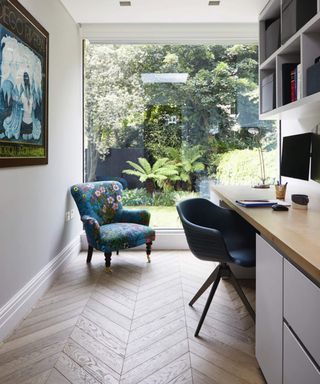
133	326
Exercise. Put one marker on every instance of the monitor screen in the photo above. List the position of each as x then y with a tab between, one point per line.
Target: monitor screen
315	158
295	158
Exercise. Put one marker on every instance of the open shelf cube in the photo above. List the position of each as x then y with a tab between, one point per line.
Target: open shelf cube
302	48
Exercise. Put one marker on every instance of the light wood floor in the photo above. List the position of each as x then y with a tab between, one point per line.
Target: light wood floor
133	326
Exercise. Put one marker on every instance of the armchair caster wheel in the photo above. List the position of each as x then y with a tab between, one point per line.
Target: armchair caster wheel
148	250
107	256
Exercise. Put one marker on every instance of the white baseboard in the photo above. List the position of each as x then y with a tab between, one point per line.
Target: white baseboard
13	312
170	239
165	239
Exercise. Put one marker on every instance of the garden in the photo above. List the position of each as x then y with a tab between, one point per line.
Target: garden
189	112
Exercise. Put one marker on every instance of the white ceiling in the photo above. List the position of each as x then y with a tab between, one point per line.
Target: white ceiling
164	11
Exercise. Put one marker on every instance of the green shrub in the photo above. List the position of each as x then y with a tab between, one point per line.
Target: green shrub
139	196
242	167
134	197
164	199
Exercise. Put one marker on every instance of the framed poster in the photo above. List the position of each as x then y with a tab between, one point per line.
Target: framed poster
23	87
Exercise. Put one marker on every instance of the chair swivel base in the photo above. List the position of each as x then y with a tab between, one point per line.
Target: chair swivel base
221	271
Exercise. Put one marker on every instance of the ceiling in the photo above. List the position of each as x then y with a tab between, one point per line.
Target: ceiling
164	11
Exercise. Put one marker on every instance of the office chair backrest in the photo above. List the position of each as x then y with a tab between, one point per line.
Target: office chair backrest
202	222
100	200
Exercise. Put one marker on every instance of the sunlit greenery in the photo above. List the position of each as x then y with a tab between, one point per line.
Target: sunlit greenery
185	131
157	173
239	167
162	216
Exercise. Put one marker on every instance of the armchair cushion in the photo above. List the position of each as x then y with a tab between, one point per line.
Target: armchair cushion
124	235
138	216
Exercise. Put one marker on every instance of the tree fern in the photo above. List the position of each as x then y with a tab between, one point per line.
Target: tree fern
161	170
145	165
135	166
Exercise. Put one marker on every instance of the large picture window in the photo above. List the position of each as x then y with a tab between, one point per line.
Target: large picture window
166	119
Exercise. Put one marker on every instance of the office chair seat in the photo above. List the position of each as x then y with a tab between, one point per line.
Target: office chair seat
221	235
245	257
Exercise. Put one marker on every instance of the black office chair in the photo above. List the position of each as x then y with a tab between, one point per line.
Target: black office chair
217	234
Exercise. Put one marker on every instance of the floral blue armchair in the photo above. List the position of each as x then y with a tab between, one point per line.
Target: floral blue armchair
108	226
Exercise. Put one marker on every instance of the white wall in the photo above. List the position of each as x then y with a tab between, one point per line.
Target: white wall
262	4
33	199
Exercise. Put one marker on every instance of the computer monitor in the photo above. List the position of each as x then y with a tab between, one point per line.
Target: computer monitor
315	158
295	158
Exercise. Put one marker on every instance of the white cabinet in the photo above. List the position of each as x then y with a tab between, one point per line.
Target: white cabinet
298	368
302	309
287	320
269	312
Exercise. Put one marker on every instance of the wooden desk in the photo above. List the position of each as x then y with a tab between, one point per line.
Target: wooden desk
295	233
287	301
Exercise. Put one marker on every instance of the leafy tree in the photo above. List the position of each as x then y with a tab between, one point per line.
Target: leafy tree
113	95
157	173
159	132
215	107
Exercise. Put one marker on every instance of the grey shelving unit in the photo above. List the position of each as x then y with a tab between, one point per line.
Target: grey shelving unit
303	47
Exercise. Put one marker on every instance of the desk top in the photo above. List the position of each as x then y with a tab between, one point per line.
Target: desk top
296	233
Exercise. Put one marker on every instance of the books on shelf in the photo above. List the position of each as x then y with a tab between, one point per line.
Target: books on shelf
291	82
299	82
293	85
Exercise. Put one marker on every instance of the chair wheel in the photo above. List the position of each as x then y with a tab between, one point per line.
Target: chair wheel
108	270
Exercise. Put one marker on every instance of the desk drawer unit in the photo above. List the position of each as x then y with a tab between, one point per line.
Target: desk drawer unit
269	315
297	366
302	309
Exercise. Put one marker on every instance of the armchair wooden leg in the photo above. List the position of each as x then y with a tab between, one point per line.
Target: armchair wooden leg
117	252
107	256
89	255
148	250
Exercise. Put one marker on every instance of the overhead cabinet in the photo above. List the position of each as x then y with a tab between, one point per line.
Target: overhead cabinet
268	90
294	15
289	50
272	36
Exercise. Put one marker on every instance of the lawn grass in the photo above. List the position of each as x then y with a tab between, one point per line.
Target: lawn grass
162	217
